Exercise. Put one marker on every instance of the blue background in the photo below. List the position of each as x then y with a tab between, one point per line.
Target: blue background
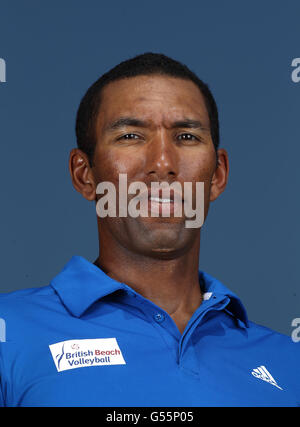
54	50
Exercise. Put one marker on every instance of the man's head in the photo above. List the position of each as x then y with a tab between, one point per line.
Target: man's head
154	120
141	65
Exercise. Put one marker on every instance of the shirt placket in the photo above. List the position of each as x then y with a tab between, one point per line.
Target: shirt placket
216	302
166	327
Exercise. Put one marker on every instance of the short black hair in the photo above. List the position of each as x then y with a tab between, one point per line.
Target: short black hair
144	64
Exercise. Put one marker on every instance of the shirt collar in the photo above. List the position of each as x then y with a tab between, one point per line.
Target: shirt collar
212	286
81	283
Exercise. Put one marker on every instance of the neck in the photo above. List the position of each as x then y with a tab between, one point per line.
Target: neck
171	284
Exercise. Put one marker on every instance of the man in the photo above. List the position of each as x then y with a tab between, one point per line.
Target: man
142	326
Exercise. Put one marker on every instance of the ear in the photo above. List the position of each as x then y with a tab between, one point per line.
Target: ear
220	176
81	174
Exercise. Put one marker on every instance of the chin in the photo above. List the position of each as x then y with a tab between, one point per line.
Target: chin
165	243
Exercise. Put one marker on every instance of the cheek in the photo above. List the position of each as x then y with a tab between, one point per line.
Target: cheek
108	164
199	168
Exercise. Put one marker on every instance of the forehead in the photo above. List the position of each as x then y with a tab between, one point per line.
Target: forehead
158	99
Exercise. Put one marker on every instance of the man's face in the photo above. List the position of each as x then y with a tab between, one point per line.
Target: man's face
153	150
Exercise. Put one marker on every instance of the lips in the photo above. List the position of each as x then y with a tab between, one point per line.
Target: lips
160	200
163	196
164	203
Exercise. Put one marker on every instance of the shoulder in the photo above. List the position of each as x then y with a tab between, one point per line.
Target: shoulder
23	293
267	333
11	300
274	343
23	309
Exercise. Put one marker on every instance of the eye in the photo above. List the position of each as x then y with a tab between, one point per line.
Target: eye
129	136
188	137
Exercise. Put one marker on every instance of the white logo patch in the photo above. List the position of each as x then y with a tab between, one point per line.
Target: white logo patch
263	374
73	354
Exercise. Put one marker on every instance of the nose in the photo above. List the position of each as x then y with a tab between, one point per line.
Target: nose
162	158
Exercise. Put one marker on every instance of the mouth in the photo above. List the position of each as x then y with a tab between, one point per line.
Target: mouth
164	206
160	197
159	200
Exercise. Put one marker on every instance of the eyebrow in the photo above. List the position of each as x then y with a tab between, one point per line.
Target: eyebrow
131	121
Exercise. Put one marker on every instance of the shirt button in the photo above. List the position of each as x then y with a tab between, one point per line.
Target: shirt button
158	317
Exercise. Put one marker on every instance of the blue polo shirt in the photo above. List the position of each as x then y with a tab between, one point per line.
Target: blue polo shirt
89	340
